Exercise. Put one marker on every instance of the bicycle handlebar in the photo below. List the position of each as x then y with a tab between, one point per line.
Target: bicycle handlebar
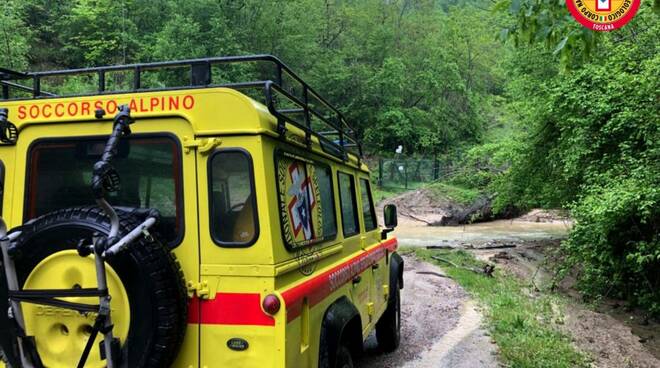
105	177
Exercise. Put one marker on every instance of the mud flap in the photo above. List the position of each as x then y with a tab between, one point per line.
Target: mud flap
396	272
11	336
8	329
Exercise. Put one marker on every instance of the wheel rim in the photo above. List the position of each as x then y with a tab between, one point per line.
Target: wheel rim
61	334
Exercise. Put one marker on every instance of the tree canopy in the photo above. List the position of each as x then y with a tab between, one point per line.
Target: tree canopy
385	64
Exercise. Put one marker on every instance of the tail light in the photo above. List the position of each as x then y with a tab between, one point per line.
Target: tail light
271	304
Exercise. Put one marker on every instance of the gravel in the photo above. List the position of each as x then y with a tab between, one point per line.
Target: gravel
440	325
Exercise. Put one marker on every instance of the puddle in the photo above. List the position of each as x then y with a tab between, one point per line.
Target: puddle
501	230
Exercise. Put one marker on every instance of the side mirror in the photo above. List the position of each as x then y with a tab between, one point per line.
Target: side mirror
390	218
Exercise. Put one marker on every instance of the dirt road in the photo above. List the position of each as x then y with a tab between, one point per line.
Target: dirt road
440	326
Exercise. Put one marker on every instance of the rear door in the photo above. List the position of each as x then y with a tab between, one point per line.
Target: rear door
155	171
354	240
371	239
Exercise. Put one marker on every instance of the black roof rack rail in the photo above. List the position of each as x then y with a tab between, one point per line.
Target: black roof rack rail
7	84
6	74
308	106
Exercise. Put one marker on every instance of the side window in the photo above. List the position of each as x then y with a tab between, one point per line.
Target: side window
349	218
306	199
2	185
233	209
368	211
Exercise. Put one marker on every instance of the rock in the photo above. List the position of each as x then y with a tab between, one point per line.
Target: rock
542	215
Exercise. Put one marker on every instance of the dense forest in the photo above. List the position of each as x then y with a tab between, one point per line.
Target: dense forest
539	110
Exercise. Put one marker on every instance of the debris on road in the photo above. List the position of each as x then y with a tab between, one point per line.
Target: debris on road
432	273
493	245
486	246
440	247
487	269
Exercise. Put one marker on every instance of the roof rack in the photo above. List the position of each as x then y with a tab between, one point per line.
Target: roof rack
307	103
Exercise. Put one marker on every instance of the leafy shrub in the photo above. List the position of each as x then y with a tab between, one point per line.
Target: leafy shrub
616	241
593	145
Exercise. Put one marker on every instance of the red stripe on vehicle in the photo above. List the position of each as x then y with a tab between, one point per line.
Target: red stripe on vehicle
229	309
193	310
319	287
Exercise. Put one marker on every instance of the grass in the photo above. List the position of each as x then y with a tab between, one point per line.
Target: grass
439	190
387	192
381	194
522	322
464	196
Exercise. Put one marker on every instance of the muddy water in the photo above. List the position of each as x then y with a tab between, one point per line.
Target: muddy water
418	234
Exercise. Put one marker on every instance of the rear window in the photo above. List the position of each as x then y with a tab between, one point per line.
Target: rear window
306	199
60	171
233	205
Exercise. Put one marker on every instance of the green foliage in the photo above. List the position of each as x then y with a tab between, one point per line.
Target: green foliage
381	194
591	142
524	328
548	23
462	195
14	35
482	164
385	64
98	31
616	238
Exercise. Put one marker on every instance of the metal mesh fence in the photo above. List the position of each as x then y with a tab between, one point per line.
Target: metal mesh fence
405	172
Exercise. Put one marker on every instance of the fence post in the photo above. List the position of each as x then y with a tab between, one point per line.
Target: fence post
436	168
380	172
405	172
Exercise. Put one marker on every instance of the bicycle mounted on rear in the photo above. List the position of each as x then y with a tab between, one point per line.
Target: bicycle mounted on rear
105	179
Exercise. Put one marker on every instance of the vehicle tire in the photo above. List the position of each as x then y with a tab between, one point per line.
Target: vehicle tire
388	328
344	357
149	273
324	353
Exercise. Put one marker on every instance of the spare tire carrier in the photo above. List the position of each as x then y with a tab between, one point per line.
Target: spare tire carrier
104	247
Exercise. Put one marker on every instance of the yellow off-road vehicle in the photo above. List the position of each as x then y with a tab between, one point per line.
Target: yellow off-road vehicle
208	229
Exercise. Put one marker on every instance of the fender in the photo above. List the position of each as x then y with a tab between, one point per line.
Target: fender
338	319
396	272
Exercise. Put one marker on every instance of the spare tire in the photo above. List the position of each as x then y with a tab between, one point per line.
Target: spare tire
145	281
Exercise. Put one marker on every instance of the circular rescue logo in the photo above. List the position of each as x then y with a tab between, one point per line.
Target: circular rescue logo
603	15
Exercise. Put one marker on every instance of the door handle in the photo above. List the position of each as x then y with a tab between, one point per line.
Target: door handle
357	280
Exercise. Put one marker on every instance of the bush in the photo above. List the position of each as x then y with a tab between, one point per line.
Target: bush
615	240
593	145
